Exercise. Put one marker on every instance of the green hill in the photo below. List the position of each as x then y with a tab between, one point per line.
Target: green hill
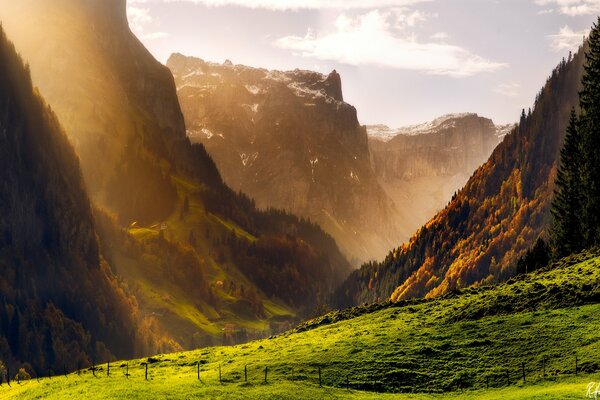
472	343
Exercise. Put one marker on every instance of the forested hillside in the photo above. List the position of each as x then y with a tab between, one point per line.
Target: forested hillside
61	304
500	213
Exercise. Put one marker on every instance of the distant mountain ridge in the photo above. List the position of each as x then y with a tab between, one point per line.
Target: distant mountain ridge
288	140
422	166
385	133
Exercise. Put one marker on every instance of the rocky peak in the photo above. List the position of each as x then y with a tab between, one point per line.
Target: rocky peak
287	139
333	85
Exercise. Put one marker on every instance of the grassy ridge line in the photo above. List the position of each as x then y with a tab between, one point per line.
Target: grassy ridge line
436	348
517	294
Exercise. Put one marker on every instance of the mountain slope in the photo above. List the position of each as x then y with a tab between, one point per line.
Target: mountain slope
119	106
493	220
288	140
61	304
422	166
474	344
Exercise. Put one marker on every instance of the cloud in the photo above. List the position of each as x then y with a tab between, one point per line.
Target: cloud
573	7
373	39
285	5
440	36
567	39
507	89
139	18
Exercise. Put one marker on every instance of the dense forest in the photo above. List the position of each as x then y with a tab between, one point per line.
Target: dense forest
61	306
494	220
576	206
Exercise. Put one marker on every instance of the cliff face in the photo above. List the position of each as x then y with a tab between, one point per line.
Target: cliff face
455	145
289	140
422	166
498	215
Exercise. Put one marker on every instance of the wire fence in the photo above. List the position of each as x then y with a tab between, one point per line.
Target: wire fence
320	375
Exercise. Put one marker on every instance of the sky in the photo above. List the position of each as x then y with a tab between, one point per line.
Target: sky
402	62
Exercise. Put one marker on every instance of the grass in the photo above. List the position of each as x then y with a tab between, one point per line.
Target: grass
461	346
187	386
180	315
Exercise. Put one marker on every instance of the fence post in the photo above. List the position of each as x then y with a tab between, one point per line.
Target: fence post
108	369
523	368
198	365
266	372
220	380
146	371
94	368
245	373
127	369
320	382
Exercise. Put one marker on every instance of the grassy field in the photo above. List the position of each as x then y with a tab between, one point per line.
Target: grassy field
473	344
185	387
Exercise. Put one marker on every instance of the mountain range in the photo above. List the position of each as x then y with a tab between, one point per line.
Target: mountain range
289	141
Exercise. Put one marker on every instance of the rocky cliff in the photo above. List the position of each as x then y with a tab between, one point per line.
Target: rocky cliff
422	166
289	140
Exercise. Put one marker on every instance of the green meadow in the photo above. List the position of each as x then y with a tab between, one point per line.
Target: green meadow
478	343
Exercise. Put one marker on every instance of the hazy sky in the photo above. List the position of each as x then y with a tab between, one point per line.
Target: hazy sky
402	61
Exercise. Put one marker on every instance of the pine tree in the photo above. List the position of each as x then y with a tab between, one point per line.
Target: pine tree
566	232
589	128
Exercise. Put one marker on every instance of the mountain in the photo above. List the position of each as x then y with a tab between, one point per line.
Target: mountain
61	304
203	263
502	210
288	140
422	166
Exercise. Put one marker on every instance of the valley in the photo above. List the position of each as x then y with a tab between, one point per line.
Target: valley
198	229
